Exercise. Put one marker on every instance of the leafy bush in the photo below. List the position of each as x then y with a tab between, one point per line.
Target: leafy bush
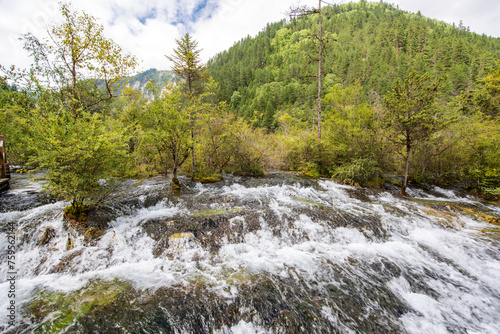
312	157
358	172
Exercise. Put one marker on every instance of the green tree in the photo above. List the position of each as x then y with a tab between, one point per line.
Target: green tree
84	155
187	65
129	109
492	80
14	109
411	114
75	58
166	126
82	150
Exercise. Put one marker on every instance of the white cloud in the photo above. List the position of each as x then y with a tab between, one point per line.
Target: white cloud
480	15
148	29
235	20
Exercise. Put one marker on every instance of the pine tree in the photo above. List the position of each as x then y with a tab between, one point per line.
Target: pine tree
187	64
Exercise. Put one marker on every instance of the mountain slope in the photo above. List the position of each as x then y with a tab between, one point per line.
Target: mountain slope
370	43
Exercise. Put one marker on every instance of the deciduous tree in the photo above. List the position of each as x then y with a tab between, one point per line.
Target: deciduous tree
75	58
80	148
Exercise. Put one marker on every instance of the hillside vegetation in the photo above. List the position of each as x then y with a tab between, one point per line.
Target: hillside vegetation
366	44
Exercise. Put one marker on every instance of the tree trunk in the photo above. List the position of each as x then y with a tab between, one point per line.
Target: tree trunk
319	74
176	185
175	155
174	172
192	152
407	168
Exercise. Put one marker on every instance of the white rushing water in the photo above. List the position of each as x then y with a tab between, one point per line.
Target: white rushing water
439	263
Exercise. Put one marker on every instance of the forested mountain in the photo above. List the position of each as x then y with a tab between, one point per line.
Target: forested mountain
371	44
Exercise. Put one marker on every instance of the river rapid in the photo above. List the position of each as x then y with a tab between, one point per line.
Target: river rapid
277	254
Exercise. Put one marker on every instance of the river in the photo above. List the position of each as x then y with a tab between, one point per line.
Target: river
278	254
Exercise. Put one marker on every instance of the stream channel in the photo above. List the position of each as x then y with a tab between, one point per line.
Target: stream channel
277	254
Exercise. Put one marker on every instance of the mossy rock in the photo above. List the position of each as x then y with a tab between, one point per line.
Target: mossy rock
47	235
445	219
182	235
59	312
208	179
77	213
242	276
176	186
308	202
92	235
479	215
311	174
215	212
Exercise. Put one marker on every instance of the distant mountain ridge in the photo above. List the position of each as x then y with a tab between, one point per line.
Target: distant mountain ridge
140	81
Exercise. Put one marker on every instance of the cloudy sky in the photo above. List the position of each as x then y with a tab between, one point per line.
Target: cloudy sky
148	28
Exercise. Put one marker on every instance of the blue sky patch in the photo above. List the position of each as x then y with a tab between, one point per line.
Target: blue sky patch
203	9
150	15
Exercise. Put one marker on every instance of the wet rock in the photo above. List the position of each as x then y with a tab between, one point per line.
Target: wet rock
209	179
68	310
47	235
65	264
180	241
69	243
99	218
176	186
92	236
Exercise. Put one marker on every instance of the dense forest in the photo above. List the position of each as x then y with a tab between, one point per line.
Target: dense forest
366	44
401	94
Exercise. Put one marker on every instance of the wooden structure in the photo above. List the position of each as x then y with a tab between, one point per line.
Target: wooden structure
4	166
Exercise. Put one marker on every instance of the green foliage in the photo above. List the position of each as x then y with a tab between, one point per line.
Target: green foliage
187	64
74	58
165	136
312	157
483	168
411	114
65	128
14	108
246	156
492	80
380	102
83	155
77	212
358	172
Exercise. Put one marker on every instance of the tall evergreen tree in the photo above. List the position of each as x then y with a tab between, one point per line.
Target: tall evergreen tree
188	65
